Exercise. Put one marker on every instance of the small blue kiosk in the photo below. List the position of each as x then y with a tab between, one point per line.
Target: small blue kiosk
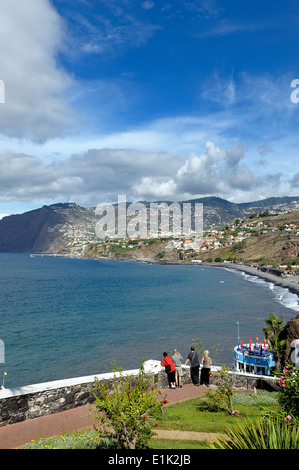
253	358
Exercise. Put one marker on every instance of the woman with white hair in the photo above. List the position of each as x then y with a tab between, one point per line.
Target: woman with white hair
206	368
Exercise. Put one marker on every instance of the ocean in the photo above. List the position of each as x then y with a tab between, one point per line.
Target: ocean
63	317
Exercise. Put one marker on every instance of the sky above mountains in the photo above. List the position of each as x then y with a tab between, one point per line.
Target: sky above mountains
157	100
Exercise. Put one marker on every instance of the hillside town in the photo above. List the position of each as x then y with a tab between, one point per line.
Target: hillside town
81	240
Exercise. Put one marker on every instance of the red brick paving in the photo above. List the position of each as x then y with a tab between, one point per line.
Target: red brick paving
17	435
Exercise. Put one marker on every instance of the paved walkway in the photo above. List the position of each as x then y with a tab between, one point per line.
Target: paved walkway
17	435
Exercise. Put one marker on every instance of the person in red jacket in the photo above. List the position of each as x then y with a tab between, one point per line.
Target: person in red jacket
167	361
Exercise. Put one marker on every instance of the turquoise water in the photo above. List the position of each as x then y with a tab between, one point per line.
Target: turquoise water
64	318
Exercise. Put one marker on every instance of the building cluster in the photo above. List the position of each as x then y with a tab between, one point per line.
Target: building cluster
233	233
76	236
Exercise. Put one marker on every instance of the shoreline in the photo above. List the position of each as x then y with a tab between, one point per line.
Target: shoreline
291	283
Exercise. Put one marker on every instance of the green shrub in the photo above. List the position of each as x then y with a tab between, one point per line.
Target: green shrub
289	391
130	408
87	439
223	395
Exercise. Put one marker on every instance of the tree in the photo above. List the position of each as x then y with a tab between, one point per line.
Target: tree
129	408
271	333
198	345
274	327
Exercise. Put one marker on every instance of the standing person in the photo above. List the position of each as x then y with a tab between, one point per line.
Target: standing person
169	369
205	371
194	365
177	360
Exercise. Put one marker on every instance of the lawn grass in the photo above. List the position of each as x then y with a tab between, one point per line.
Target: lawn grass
194	415
177	444
190	415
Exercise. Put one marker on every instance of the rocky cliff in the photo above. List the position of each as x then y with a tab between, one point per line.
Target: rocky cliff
40	230
289	333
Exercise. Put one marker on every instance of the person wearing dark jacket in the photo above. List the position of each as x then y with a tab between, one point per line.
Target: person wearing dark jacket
194	365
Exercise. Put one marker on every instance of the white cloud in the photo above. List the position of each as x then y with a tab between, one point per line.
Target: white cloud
216	172
153	188
98	175
295	180
31	35
85	178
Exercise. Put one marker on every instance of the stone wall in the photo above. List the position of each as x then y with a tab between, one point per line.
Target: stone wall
28	406
249	382
241	381
37	400
20	405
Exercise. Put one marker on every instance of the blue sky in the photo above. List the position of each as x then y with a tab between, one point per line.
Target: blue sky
153	99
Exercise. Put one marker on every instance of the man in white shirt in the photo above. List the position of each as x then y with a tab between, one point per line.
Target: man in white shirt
177	360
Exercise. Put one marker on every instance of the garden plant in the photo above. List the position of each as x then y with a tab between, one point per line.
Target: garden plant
130	408
275	429
289	391
222	397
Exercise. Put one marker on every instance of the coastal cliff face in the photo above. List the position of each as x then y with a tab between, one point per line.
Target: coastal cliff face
289	333
26	232
41	230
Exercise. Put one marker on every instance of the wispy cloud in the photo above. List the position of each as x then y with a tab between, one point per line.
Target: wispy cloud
110	38
147	5
227	27
109	30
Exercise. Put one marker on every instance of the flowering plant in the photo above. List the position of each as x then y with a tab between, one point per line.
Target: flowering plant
223	395
288	397
129	407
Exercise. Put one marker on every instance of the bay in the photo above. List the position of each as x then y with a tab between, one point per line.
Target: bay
62	317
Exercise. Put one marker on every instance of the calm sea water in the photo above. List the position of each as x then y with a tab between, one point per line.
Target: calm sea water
64	318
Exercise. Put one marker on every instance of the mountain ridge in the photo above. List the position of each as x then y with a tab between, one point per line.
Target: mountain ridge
52	228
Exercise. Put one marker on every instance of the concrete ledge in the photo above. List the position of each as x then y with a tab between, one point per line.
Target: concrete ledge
32	401
150	366
41	387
